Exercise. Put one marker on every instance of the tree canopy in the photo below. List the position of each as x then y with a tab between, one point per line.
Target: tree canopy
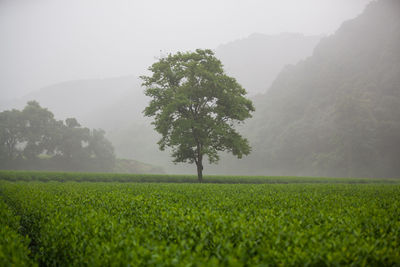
195	106
34	139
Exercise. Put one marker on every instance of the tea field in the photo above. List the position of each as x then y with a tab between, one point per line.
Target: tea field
188	224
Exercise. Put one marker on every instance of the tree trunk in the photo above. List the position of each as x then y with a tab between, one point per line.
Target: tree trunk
199	163
199	170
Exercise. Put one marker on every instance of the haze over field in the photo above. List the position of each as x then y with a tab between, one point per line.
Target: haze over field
324	75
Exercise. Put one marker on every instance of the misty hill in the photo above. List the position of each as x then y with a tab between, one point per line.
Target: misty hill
336	113
82	98
255	61
100	102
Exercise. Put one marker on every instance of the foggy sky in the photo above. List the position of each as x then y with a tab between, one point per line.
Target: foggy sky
49	41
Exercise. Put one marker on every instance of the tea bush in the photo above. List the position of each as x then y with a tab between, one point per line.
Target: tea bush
14	249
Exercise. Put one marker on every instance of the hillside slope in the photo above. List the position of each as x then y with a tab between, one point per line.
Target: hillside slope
338	112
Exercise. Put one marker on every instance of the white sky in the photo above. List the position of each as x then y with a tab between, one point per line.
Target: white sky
48	41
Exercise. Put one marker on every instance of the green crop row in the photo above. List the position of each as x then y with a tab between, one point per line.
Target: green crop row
111	224
164	178
14	249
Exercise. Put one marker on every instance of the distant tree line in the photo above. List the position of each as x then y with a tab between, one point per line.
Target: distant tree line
34	139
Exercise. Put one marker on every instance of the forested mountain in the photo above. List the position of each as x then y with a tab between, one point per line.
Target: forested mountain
336	113
255	61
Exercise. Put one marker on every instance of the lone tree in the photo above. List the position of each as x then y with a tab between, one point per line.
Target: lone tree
195	106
